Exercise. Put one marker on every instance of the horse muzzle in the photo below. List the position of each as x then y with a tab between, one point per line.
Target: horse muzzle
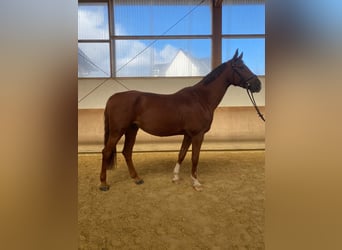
254	85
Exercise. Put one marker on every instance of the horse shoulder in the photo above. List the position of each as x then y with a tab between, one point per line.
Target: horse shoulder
196	117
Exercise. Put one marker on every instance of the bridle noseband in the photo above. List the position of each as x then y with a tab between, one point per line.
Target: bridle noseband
245	84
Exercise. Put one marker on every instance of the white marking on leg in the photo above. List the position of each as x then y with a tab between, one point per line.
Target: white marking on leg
196	184
176	173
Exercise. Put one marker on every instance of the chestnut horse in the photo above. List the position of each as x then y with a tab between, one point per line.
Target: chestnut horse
188	112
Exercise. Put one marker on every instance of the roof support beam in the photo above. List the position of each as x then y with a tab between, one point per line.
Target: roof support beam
216	45
218	3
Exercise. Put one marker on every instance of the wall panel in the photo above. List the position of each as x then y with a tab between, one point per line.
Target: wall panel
232	128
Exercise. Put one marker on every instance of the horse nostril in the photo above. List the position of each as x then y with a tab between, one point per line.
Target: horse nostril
255	87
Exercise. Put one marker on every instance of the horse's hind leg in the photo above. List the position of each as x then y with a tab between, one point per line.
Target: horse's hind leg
182	152
130	136
108	156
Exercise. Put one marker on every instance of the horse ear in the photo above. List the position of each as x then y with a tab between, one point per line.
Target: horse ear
236	54
240	57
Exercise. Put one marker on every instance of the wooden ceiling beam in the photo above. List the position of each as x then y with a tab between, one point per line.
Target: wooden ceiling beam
218	3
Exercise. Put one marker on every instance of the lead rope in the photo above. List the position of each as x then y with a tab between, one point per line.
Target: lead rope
250	94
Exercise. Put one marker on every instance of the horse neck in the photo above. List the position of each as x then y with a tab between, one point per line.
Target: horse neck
213	92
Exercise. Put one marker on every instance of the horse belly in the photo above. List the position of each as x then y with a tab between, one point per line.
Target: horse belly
160	124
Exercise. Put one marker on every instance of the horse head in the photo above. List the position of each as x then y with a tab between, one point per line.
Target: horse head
242	76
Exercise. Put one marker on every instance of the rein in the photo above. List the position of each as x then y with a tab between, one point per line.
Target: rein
250	93
251	97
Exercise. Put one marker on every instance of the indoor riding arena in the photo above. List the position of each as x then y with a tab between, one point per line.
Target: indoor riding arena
162	47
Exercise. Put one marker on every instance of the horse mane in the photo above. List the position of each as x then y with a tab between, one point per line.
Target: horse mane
214	74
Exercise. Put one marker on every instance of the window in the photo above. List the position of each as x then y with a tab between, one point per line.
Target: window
93	40
167	57
139	38
154	17
243	27
162	38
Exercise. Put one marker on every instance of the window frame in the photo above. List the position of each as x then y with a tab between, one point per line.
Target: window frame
107	41
216	37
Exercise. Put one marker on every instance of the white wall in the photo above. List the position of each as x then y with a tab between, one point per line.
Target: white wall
235	96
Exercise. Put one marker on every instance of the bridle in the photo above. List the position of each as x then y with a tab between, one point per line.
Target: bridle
246	85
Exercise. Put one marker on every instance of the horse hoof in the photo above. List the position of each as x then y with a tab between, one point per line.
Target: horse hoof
104	187
198	188
176	181
139	182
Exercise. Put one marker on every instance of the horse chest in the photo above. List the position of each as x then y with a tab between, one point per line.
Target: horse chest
197	122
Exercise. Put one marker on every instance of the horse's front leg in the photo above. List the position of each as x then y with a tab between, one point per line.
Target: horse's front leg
196	148
184	148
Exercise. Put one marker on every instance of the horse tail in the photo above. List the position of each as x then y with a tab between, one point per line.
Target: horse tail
112	162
